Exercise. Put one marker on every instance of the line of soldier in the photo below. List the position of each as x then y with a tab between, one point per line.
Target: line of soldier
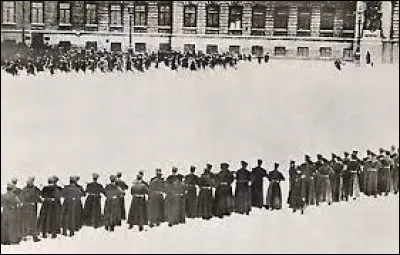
91	61
176	198
340	179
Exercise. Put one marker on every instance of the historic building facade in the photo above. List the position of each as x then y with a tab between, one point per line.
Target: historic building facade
285	29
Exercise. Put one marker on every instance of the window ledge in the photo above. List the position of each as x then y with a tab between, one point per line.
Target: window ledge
190	28
38	24
235	29
140	26
9	23
65	24
91	25
116	26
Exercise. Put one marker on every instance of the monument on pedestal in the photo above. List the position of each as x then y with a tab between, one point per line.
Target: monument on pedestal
372	41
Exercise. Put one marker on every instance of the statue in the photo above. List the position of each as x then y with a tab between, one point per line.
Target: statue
373	16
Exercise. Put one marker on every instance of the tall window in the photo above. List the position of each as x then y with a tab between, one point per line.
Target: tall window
304	18
164	15
325	52
190	13
235	17
281	17
349	19
91	13
213	16
115	15
327	18
37	12
141	14
64	14
8	12
258	16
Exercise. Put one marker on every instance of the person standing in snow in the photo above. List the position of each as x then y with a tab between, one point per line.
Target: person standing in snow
192	185
257	182
92	209
274	194
138	211
242	192
156	201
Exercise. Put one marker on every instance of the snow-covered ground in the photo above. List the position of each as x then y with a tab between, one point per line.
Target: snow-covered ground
78	124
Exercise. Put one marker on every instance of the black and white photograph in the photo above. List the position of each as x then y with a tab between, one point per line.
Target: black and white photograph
200	127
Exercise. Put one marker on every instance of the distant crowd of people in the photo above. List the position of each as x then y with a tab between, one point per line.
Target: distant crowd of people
55	60
66	209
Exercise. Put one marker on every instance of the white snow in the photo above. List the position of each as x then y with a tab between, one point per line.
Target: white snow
78	124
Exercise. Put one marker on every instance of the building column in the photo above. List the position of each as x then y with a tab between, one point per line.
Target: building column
152	17
269	20
292	22
177	24
386	9
224	18
247	18
315	20
359	19
201	17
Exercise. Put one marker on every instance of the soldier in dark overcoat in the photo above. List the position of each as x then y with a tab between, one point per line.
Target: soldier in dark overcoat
242	191
92	209
192	185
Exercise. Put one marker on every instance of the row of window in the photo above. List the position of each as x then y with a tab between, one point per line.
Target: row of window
140	12
91	13
257	50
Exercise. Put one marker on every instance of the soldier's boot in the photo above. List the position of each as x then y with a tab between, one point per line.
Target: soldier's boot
130	226
151	225
44	235
53	236
71	233
64	233
112	228
294	210
329	203
107	228
141	228
36	239
302	211
169	224
158	224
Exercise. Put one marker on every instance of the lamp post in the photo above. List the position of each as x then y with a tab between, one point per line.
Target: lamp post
131	11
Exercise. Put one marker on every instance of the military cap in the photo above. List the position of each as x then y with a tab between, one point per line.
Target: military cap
381	150
158	170
192	169
259	161
355	152
224	165
276	164
55	178
113	178
174	169
292	162
51	179
387	153
95	176
319	156
73	179
346	153
244	162
209	166
14	181
141	173
30	180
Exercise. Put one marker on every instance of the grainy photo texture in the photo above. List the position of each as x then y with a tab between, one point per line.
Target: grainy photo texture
199	127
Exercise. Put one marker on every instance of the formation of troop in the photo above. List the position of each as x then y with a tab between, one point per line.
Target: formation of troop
65	210
55	60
